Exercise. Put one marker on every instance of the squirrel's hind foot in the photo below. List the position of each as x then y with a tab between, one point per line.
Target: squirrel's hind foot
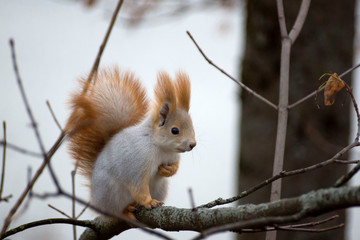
128	211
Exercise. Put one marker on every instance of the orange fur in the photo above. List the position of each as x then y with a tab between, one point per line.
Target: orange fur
166	170
164	93
177	94
111	103
183	90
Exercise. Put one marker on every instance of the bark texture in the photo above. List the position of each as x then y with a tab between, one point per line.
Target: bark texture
205	220
314	134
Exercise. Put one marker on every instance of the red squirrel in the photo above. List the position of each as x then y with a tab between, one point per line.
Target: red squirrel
126	148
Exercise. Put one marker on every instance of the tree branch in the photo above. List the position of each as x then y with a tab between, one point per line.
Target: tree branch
20	150
53	115
103	44
282	174
209	221
286	42
300	19
229	76
3	168
88	224
281	18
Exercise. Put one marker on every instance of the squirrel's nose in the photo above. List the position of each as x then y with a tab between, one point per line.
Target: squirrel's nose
192	145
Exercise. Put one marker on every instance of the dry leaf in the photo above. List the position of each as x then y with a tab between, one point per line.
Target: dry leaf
333	85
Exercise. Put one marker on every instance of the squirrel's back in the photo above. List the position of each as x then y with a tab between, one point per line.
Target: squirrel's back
112	102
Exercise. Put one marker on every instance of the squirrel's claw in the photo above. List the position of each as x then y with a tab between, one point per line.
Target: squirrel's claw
128	211
153	203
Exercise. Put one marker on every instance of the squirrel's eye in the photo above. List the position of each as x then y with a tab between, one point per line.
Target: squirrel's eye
175	131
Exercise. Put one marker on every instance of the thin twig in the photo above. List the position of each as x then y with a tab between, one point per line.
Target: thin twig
23	227
3	163
281	18
229	76
9	217
191	196
349	91
346	161
299	227
282	174
317	230
46	160
29	111
300	19
6	199
312	224
345	178
82	211
73	200
286	42
311	229
263	221
59	211
21	150
53	115
103	44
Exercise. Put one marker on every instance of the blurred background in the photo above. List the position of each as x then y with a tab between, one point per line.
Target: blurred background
57	40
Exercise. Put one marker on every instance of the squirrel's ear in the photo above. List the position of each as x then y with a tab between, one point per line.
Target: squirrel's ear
164	114
165	99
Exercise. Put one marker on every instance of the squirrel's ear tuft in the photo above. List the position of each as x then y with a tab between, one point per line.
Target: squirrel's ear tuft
183	90
164	95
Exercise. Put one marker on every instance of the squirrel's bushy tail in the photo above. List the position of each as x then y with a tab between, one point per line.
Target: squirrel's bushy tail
111	103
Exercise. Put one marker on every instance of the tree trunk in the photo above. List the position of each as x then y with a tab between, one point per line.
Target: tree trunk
315	132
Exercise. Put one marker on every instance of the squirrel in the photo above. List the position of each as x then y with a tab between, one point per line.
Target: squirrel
126	148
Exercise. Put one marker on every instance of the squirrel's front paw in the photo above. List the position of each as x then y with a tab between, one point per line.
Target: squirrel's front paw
153	203
166	170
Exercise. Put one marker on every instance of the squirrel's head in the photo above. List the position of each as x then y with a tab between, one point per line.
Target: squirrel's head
172	123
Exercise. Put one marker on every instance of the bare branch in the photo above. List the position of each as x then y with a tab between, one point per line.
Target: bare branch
29	111
191	196
23	227
282	123
286	43
47	156
300	19
103	44
9	217
282	174
345	178
21	150
346	161
312	224
73	200
106	215
311	229
82	211
263	215
3	161
289	210
59	211
281	17
53	115
6	199
229	76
